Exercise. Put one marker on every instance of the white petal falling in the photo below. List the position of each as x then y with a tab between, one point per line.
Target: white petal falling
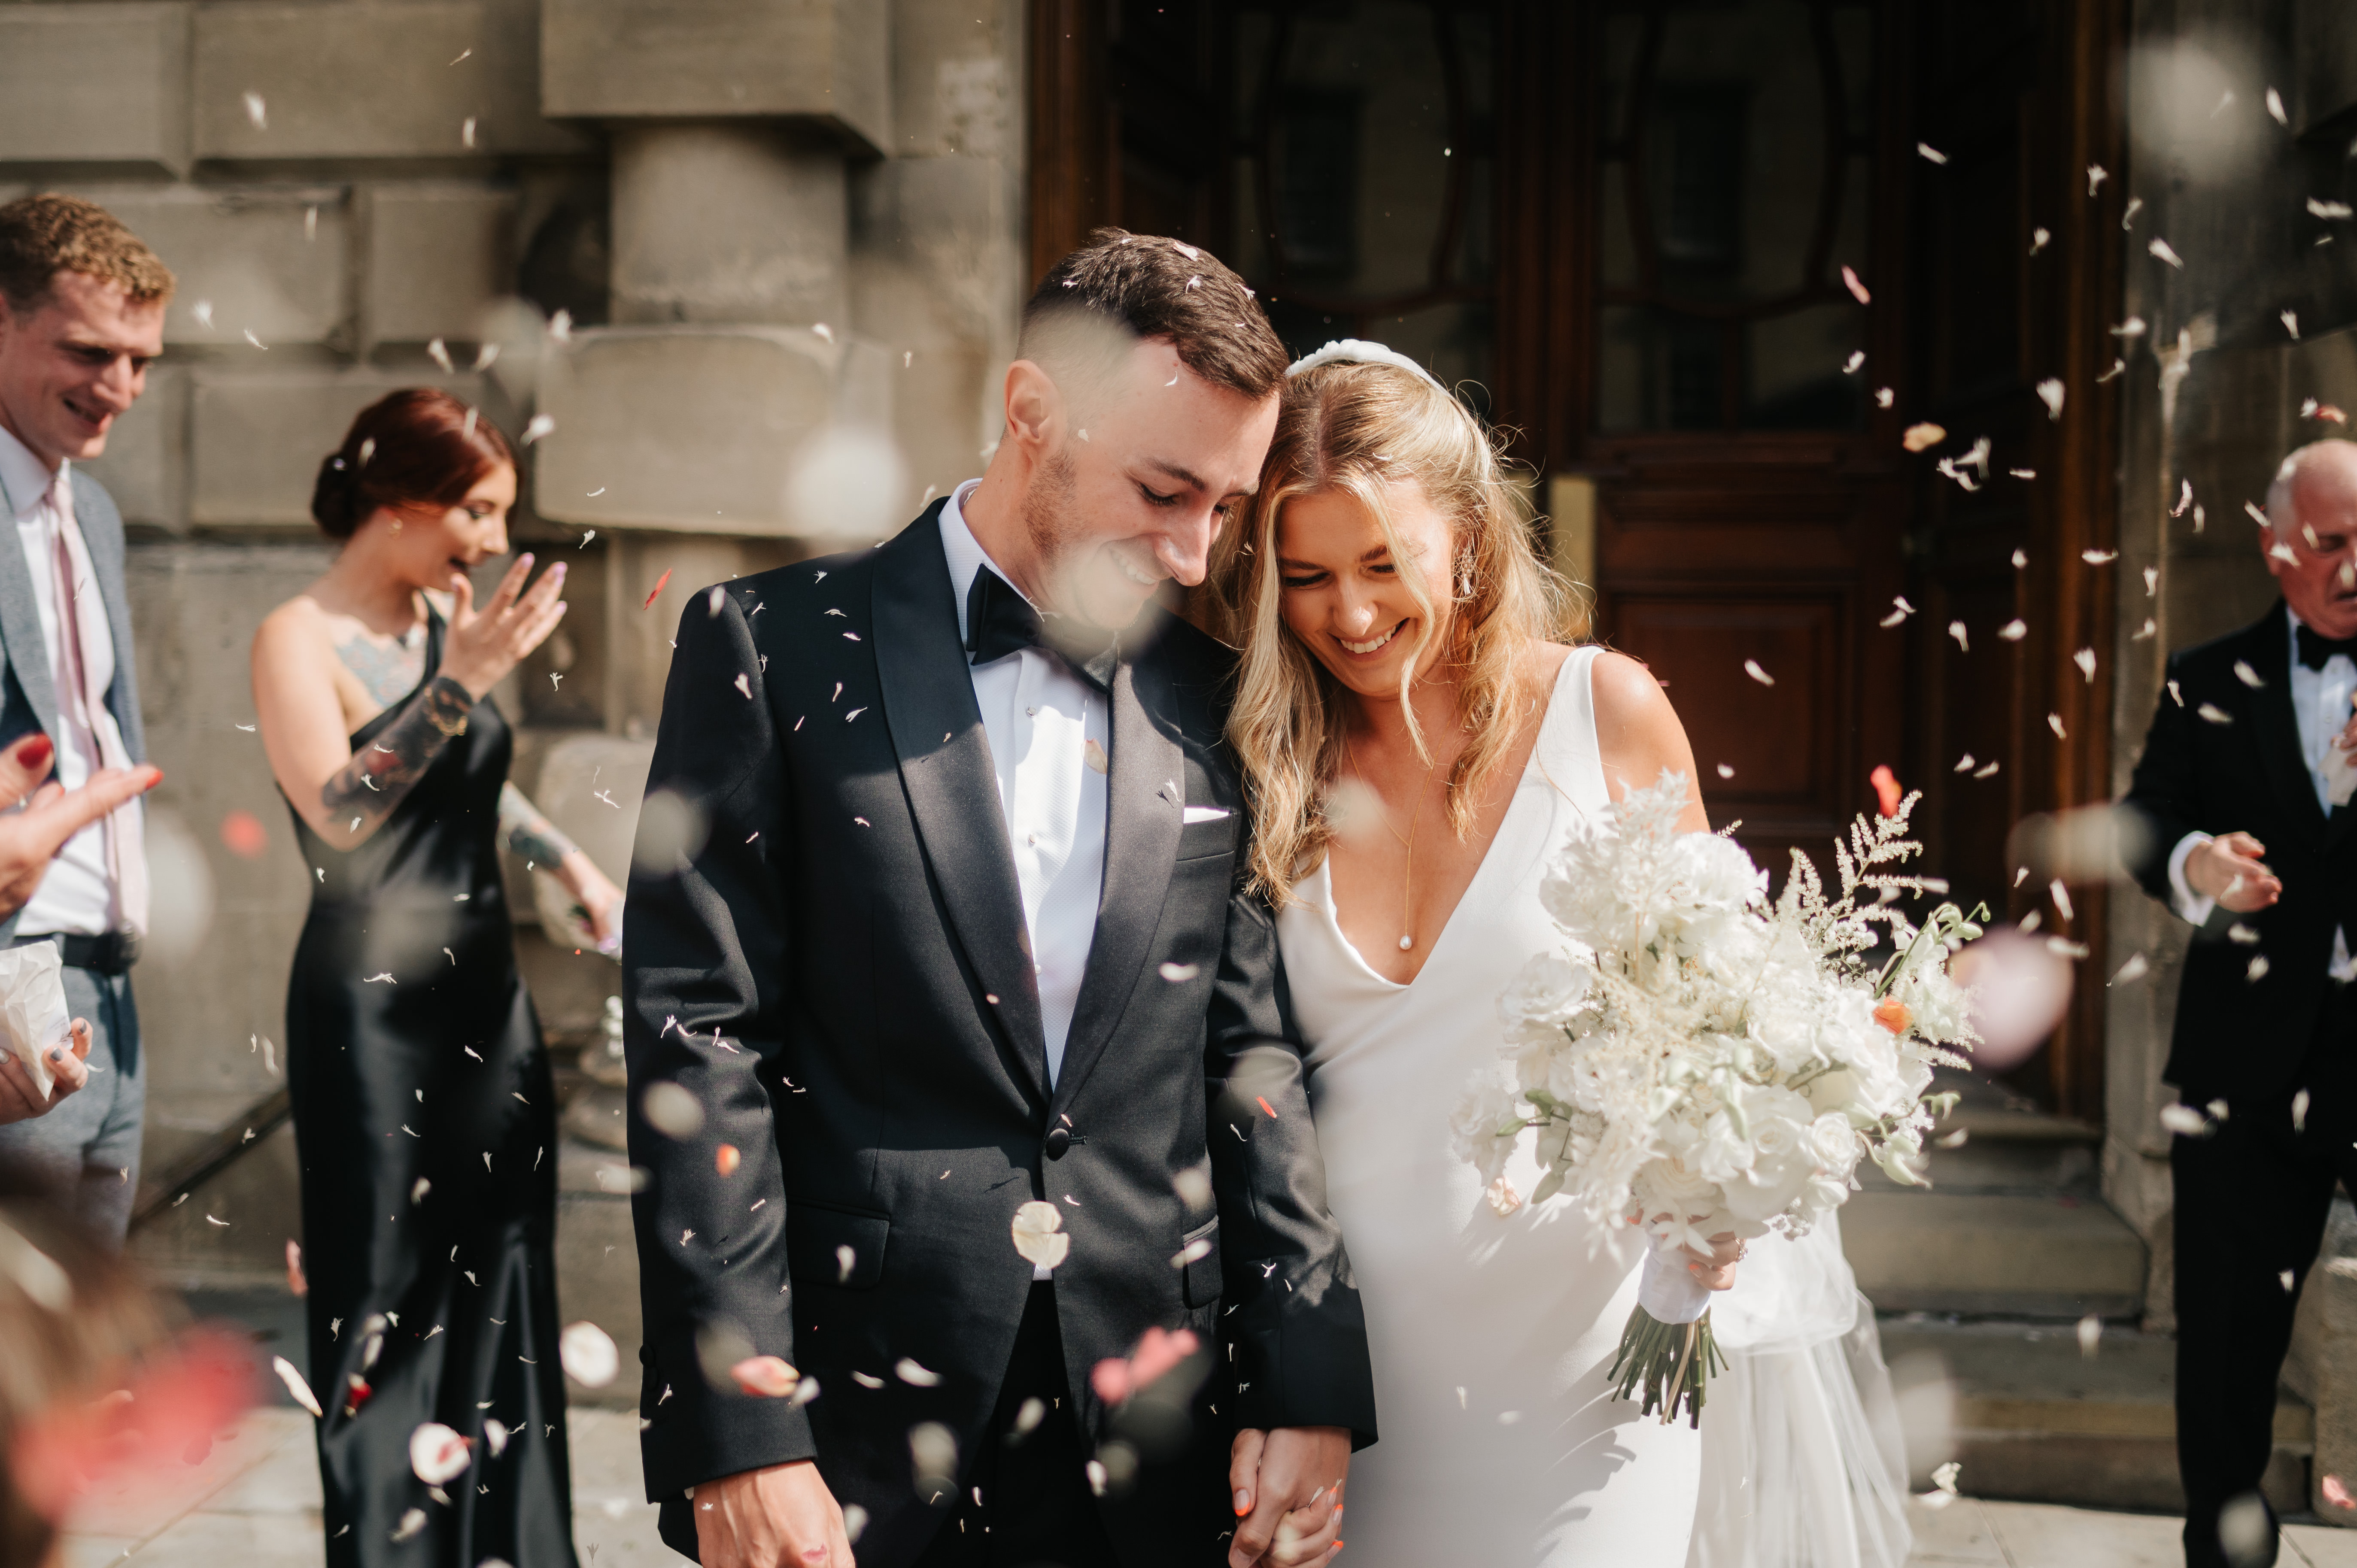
1930	153
2276	109
437	1455
588	1354
1037	1229
2050	392
257	112
1751	668
2160	247
296	1389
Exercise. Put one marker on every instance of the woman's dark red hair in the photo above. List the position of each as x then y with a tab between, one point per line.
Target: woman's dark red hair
415	447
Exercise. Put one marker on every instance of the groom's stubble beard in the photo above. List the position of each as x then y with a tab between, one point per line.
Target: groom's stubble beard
1051	524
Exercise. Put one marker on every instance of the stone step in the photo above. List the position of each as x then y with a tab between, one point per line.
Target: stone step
2012	1151
2029	1416
2031	1255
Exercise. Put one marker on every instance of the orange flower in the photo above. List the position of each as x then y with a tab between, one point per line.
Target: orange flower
1892	1015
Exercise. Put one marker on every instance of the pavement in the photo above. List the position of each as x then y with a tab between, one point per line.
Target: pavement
255	1503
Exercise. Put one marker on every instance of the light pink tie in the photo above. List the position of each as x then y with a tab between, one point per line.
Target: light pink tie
82	635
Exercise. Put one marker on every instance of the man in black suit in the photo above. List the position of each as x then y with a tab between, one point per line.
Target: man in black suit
2241	822
956	934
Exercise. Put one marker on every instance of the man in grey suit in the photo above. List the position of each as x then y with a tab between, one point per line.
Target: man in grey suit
81	315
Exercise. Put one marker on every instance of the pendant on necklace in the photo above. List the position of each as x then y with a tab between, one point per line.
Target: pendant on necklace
1407	942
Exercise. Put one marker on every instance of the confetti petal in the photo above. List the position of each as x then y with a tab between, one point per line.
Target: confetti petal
1037	1229
296	1389
437	1455
588	1354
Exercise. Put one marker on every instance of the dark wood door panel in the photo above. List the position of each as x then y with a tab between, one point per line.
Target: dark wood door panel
1787	746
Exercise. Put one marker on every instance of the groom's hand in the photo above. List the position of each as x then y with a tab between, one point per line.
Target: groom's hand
781	1517
1288	1487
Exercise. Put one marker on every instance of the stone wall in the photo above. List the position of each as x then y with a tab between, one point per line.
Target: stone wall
785	237
2215	392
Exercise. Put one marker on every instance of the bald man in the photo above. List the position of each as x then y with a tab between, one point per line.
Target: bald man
2242	794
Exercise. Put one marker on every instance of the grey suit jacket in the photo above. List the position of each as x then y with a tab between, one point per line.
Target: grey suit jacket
28	692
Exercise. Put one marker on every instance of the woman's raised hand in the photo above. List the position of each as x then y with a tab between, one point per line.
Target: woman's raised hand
482	646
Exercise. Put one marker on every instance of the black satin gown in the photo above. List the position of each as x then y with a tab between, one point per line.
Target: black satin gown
424	1123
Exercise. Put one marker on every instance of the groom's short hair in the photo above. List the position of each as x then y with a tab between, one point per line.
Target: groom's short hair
1155	287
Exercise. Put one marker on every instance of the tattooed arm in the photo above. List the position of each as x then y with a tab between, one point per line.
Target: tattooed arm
346	796
525	829
357	797
531	835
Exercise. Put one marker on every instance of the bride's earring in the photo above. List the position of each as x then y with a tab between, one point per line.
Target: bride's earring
1465	577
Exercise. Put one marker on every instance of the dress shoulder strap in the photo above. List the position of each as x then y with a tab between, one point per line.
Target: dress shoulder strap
1567	753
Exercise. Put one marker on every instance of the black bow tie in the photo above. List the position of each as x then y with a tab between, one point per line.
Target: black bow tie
2314	650
1000	622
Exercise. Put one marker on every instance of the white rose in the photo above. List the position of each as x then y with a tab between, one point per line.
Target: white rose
1834	1144
1783	1157
1544	992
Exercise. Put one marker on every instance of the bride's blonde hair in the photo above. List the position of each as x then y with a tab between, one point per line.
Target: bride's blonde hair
1357	429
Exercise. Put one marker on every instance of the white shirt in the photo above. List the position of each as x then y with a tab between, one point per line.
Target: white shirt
2319	705
1042	721
77	895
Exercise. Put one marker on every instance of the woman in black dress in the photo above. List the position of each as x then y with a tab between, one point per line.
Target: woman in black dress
423	1113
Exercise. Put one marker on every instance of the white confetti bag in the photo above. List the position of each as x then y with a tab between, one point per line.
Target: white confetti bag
33	1008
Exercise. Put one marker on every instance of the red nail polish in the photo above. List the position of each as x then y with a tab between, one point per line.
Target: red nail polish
35	749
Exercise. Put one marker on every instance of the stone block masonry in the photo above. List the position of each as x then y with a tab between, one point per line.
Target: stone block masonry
95	85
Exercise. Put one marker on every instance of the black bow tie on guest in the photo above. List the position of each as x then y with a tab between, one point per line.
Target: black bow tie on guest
2315	649
1000	622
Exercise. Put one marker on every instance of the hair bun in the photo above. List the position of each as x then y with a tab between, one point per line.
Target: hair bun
332	495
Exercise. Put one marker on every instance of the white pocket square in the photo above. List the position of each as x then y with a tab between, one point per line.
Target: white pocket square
1203	813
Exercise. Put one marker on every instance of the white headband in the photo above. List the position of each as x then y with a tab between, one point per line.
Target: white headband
1358	352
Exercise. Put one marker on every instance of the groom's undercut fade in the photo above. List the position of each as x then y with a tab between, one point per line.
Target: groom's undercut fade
1155	287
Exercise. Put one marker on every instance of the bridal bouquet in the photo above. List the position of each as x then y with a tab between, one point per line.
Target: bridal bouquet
1700	1060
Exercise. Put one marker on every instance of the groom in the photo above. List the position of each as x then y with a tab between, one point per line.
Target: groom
958	934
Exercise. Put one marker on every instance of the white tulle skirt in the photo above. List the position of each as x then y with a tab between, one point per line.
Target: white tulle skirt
1804	1464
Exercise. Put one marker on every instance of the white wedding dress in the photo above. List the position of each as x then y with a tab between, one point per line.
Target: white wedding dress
1803	1463
1500	1444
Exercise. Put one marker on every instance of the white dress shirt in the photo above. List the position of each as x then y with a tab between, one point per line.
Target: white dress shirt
1049	738
2319	705
76	896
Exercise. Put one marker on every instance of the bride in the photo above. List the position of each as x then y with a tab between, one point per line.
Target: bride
1417	738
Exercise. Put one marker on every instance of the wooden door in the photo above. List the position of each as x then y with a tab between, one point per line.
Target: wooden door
1622	227
2016	258
1706	376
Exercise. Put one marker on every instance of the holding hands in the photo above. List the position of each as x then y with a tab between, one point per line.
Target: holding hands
779	1516
1288	1495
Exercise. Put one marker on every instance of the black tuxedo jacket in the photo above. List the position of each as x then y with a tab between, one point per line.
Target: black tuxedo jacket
2236	1036
839	975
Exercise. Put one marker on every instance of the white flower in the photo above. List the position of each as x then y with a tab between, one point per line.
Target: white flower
1544	992
1834	1142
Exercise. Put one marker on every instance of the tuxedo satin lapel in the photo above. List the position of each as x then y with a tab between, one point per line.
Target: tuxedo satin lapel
1145	803
945	765
2278	732
20	628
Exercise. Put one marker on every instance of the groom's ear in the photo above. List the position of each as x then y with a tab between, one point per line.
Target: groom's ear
1035	407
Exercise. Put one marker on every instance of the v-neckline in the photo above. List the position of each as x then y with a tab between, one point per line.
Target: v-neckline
1330	911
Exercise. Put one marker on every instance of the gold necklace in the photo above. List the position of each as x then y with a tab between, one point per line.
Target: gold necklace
1407	877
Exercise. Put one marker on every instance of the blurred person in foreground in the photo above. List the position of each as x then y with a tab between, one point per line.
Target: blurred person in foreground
2241	822
97	1390
37	819
424	1115
920	1018
81	317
